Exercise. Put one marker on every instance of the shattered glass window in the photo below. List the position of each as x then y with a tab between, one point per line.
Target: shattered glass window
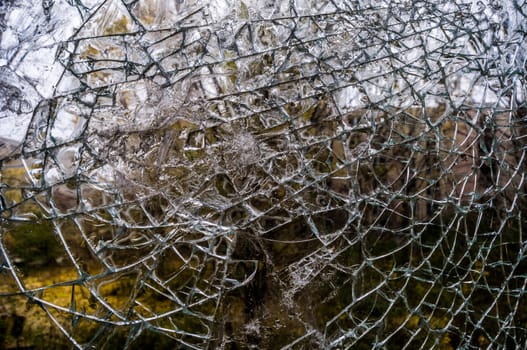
278	174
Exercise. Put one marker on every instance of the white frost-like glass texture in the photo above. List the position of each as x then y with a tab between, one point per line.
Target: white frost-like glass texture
263	174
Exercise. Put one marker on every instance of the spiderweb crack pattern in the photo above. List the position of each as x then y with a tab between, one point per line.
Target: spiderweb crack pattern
280	174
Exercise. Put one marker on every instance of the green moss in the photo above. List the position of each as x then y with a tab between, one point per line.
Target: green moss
33	243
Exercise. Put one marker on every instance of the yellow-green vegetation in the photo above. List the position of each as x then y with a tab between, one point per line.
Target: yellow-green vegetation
90	52
25	322
14	179
256	313
32	243
12	174
377	284
118	26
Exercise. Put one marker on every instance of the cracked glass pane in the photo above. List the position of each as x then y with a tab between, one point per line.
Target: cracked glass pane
331	174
